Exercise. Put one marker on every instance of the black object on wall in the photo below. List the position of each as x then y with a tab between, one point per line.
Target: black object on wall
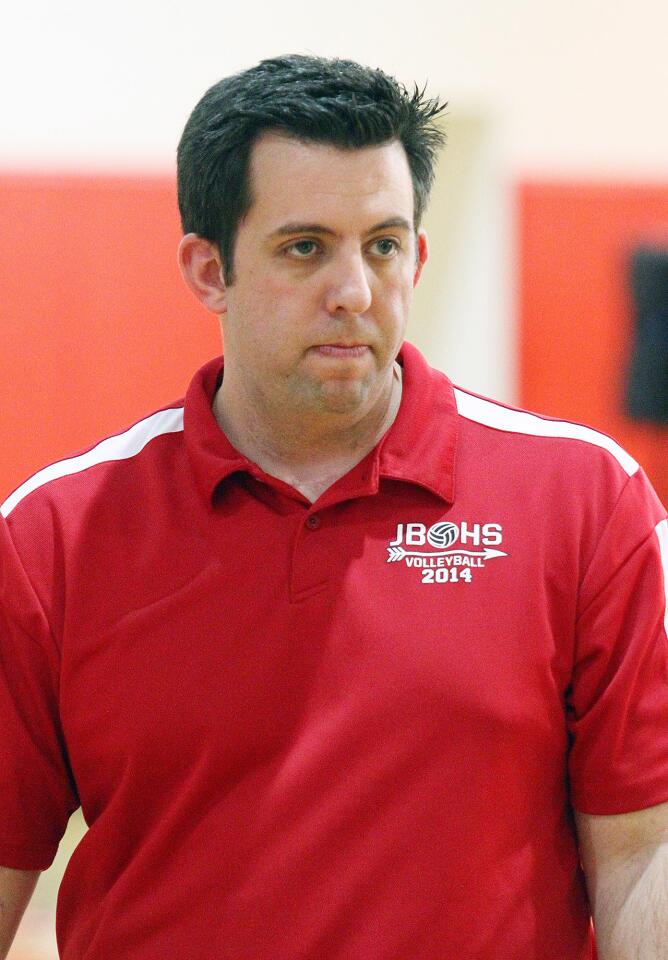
647	387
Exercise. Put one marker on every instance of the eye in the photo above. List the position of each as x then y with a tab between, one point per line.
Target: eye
385	247
302	249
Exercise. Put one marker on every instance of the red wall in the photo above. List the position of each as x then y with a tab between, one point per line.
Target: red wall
98	328
575	308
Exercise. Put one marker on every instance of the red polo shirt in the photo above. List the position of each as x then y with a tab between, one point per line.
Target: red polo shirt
352	729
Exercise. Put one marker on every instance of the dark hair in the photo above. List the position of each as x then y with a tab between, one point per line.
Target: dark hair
313	99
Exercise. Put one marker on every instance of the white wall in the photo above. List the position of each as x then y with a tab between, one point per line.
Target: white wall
578	87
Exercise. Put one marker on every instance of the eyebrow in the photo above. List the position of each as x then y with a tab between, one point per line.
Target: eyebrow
317	228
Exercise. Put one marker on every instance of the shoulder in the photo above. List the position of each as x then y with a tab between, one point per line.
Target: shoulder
85	475
525	429
569	478
519	439
77	517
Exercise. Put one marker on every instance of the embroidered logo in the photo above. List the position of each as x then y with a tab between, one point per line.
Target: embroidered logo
476	543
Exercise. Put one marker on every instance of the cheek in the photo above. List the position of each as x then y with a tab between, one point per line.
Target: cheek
397	296
284	295
271	315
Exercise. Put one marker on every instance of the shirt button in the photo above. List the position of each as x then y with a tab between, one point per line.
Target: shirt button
313	521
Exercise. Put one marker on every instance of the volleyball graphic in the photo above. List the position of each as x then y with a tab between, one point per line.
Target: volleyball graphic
442	534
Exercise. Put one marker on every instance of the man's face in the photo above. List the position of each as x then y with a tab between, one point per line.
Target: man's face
324	268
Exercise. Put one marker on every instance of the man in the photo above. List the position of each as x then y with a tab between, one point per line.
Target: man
340	661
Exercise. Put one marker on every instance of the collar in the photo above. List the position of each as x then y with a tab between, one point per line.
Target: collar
419	447
421	444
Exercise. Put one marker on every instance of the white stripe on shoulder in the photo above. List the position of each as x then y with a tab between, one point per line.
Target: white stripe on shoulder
519	421
121	447
661	531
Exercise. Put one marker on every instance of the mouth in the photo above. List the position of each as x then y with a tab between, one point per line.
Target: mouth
342	350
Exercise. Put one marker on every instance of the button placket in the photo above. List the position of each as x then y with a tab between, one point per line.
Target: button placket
310	560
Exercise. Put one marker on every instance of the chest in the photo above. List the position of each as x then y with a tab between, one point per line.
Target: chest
407	624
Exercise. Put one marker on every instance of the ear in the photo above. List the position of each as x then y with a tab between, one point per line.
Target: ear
202	270
422	255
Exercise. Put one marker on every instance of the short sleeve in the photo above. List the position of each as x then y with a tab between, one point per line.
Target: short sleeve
37	794
618	702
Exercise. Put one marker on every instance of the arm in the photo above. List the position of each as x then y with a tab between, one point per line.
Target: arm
625	860
16	887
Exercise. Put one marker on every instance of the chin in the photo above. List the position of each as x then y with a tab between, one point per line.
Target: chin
341	396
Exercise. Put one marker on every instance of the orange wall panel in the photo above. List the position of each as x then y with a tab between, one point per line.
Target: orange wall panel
575	306
98	328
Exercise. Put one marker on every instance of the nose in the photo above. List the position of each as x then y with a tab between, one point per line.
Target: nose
348	289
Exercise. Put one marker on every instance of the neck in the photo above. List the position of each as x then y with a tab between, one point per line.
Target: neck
310	455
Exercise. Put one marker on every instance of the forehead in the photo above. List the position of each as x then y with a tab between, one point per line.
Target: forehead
293	180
